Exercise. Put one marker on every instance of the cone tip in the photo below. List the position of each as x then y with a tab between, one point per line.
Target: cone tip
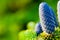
42	4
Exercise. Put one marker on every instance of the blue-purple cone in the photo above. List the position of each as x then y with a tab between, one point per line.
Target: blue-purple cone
47	18
38	28
54	16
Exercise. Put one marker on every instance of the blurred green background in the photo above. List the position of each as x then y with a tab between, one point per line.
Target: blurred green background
16	14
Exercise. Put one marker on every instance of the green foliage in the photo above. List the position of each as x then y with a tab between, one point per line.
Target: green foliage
54	36
27	35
